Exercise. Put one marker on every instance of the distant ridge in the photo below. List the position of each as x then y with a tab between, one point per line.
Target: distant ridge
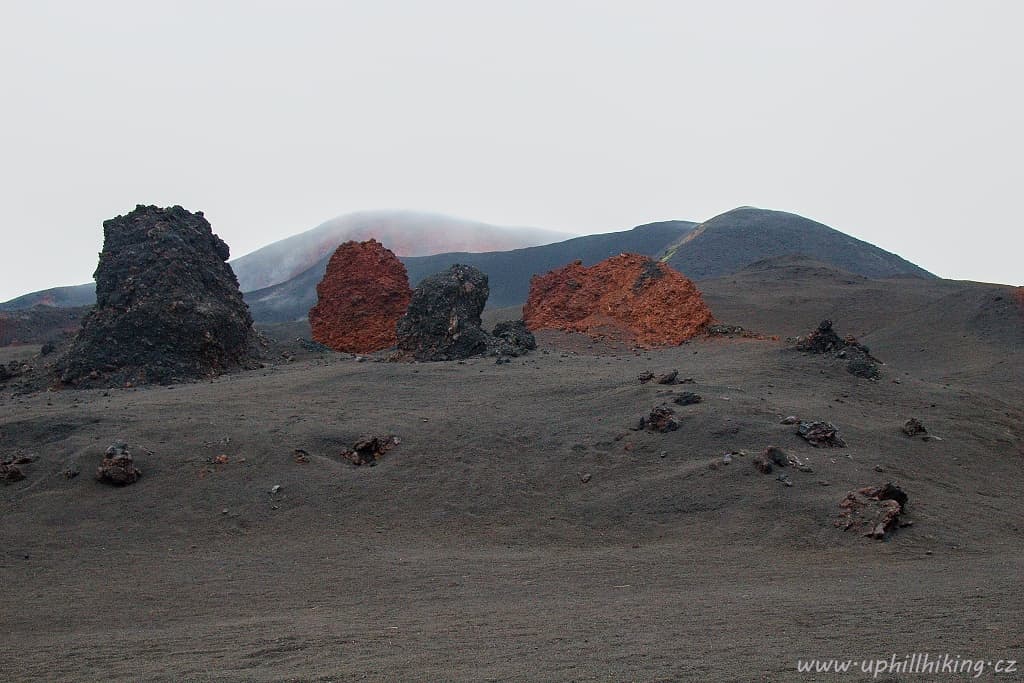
733	240
57	297
407	233
509	272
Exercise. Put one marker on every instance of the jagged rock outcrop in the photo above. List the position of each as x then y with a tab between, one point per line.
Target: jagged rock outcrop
628	297
168	307
360	299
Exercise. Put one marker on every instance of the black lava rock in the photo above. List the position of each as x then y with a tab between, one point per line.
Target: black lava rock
443	319
168	307
512	338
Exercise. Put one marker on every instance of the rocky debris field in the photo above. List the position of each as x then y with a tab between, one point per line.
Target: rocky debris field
535	512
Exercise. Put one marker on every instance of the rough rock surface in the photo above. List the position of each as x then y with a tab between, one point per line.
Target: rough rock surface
360	298
118	466
443	318
820	434
625	298
167	308
875	511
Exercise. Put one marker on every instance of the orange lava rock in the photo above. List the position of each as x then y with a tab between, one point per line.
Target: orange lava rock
360	299
628	297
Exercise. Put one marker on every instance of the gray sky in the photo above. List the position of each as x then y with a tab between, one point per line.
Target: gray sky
898	122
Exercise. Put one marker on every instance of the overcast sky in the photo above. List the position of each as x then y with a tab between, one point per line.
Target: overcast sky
897	122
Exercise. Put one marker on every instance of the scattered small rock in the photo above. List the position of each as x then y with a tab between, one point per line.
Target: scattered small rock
874	510
668	377
71	471
687	398
791	420
825	340
645	377
300	457
776	456
763	464
913	427
511	338
118	467
276	488
10	473
726	459
585	477
784	478
369	449
821	434
662	419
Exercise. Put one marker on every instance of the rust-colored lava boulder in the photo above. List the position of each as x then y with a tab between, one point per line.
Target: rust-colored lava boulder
628	297
360	298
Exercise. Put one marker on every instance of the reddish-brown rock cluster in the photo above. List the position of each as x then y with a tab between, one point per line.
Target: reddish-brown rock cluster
628	297
874	511
360	299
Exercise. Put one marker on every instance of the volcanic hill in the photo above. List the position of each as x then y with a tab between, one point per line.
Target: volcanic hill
735	239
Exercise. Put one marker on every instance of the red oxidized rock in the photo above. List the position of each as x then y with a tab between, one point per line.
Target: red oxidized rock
627	297
874	511
363	294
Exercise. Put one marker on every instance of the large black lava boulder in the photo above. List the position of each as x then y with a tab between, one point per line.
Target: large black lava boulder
168	307
443	318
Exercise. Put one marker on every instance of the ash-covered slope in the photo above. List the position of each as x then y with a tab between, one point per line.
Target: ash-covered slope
509	272
733	240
